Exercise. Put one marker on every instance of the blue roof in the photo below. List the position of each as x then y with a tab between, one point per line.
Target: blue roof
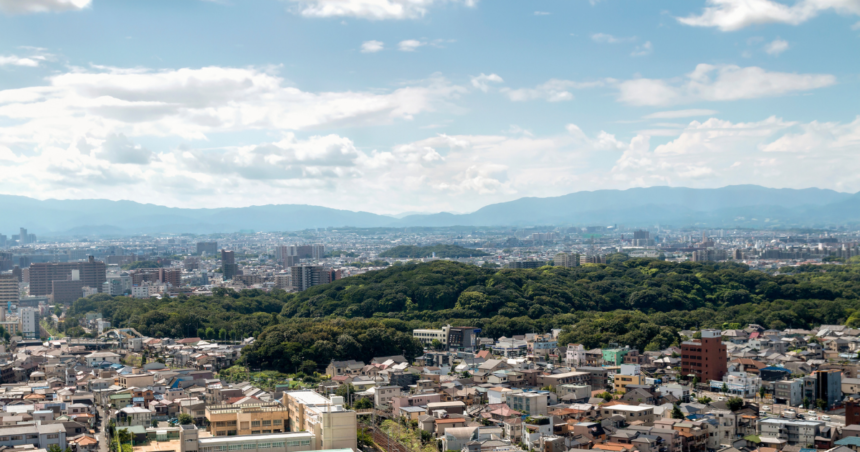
849	441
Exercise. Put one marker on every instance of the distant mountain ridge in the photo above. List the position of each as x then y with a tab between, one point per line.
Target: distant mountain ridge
732	206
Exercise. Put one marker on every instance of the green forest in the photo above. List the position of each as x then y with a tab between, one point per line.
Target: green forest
420	252
640	302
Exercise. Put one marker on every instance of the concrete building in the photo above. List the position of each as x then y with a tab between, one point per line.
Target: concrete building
383	395
566	260
9	292
427	336
249	419
29	323
304	277
96	358
705	358
132	415
40	436
796	432
272	442
210	248
630	413
333	426
91	273
529	403
575	355
789	392
229	267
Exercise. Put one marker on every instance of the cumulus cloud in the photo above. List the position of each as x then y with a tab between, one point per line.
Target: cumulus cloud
554	90
731	15
119	149
776	47
372	46
13	60
719	83
42	6
482	82
372	9
410	45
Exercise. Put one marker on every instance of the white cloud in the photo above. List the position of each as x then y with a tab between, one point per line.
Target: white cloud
410	45
731	15
542	13
554	90
609	39
13	60
372	46
674	114
719	83
372	9
42	6
856	26
718	153
776	47
119	149
642	50
482	82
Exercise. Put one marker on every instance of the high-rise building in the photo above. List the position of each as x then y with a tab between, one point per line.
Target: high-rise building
5	261
592	259
210	248
566	260
112	287
642	238
705	358
22	237
28	320
8	289
317	251
303	277
92	273
228	264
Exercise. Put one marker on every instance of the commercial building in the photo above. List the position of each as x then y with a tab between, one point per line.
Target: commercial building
825	385
9	289
210	248
272	442
738	383
333	426
68	291
250	419
704	358
91	273
630	374
788	392
585	259
40	436
29	323
614	356
228	264
303	277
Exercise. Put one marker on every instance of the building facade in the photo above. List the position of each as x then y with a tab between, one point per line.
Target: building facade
704	358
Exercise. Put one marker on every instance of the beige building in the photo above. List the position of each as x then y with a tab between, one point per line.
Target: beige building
252	419
630	413
9	289
621	382
333	426
135	380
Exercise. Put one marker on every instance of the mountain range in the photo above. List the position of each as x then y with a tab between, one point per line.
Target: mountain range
732	206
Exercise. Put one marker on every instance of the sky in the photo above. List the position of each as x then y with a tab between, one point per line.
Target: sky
392	106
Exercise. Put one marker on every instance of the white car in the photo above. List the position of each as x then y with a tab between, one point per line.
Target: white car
721	399
825	418
765	408
811	413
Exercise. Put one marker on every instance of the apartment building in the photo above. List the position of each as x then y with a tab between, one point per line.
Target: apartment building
42	274
383	395
789	392
251	419
705	358
272	442
530	403
630	413
39	436
567	378
333	426
800	433
9	291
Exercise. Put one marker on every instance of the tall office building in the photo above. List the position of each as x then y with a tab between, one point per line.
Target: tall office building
705	357
642	238
303	277
210	248
91	273
5	261
9	289
228	264
22	237
29	323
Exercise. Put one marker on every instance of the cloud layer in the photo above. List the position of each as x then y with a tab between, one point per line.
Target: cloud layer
732	15
372	9
42	6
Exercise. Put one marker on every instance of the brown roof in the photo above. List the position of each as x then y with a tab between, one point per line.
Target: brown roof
450	421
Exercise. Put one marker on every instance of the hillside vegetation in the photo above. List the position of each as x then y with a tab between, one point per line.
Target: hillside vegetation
641	302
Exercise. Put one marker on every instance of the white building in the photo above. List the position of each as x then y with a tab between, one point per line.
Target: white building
739	383
530	403
575	355
131	416
95	358
801	433
140	292
29	323
427	336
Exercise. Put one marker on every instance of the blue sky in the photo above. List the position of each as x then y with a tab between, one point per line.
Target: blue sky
423	105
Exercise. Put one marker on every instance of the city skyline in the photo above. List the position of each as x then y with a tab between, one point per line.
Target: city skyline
399	106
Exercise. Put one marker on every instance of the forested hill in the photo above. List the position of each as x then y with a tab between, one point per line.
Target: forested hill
640	302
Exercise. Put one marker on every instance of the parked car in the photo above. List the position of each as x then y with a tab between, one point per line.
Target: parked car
789	414
825	418
765	408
